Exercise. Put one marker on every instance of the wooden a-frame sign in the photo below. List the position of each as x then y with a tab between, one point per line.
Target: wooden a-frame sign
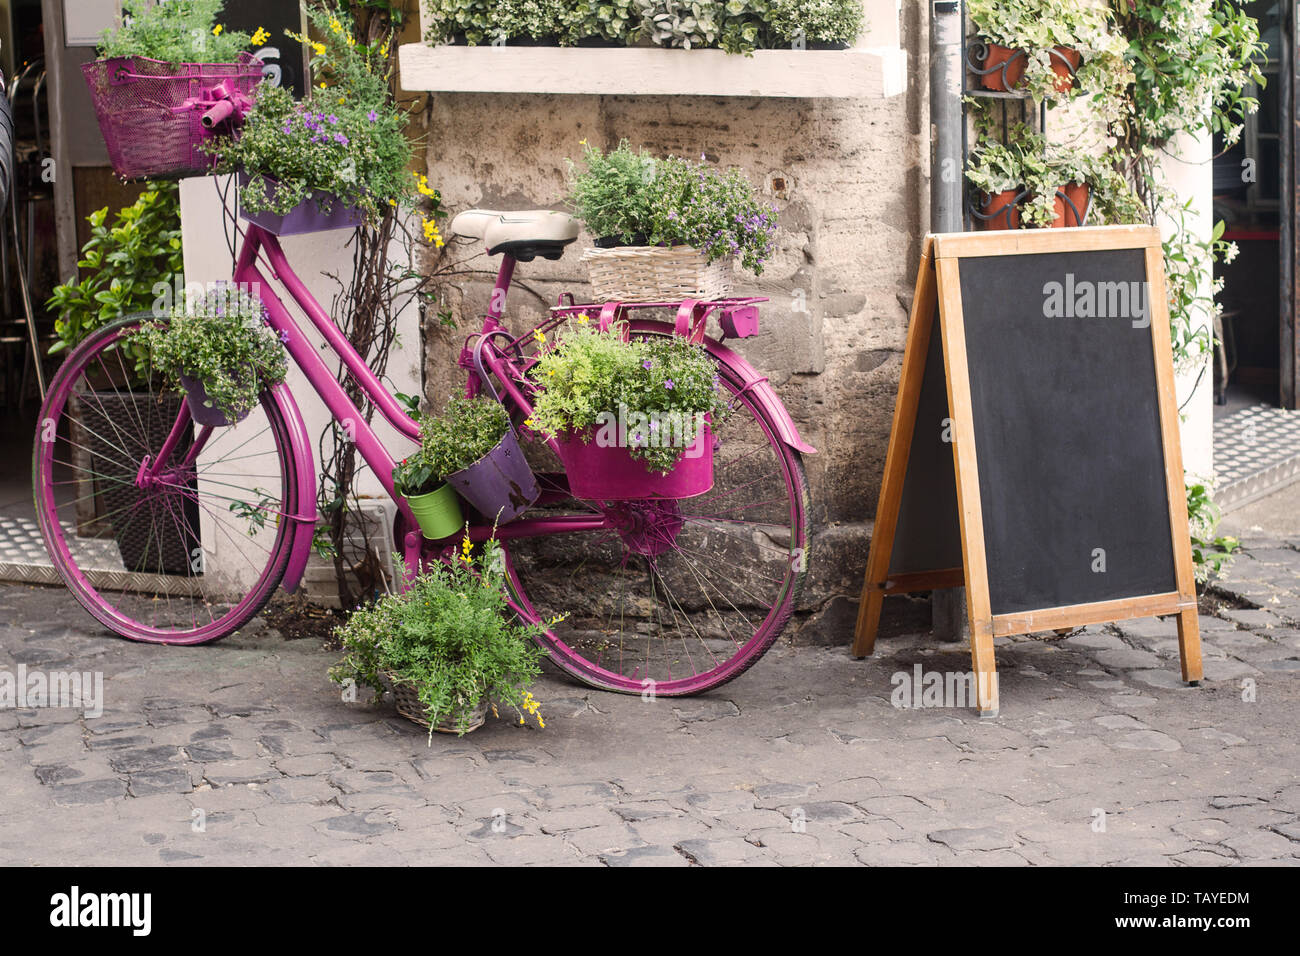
1034	456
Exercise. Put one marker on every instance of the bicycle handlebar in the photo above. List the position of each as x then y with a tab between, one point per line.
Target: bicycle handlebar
218	114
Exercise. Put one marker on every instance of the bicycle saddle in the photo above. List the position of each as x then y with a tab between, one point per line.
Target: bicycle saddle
524	234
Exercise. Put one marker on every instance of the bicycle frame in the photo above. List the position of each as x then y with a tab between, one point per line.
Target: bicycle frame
345	411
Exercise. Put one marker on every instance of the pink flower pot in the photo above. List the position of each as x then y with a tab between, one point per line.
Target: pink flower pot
599	473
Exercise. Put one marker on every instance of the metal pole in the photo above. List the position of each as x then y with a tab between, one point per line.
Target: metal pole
947	159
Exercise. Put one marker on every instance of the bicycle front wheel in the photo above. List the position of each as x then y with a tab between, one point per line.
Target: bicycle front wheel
181	551
677	596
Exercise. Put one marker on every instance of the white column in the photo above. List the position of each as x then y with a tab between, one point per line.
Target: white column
1188	168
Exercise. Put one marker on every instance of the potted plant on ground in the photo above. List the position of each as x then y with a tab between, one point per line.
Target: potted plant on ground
632	419
472	447
148	84
668	229
221	352
448	647
816	24
339	156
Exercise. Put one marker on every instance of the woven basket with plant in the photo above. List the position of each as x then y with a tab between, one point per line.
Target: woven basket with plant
667	229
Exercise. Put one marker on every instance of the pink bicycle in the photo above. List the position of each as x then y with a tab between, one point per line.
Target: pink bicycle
681	595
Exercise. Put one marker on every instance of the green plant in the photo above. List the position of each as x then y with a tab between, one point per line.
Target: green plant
1020	164
451	635
128	266
465	432
178	31
681	23
714	211
530	18
222	340
1210	552
627	195
592	380
346	138
467	429
746	26
817	21
616	21
612	195
1039	26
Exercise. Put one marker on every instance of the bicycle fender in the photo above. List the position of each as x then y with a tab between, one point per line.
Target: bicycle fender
756	385
303	510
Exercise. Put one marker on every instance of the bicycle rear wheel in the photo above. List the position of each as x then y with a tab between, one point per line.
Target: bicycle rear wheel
183	553
678	596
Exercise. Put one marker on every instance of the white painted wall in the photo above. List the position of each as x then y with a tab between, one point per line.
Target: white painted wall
1188	167
204	229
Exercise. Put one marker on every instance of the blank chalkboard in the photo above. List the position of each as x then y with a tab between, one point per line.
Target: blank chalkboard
1067	429
1034	455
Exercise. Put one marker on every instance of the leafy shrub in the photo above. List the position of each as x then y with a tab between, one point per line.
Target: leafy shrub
450	634
587	375
123	266
630	196
681	23
179	31
223	341
816	21
616	21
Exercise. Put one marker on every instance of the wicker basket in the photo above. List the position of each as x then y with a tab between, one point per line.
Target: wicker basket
151	112
409	705
656	274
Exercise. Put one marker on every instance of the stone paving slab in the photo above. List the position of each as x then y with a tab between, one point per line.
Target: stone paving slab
243	752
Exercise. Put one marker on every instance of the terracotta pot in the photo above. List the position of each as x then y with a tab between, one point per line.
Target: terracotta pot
1004	67
1065	62
1000	211
1075	211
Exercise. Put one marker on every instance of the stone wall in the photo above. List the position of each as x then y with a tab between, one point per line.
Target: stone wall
849	180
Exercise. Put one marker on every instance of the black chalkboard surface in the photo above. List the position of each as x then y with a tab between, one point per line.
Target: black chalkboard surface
1067	429
1054	482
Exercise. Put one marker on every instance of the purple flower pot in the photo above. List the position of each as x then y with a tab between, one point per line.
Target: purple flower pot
304	217
611	473
500	485
202	409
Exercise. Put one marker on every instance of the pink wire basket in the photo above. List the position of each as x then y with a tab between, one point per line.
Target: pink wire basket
151	112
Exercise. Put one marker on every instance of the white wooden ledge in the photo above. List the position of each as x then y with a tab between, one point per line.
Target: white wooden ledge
857	73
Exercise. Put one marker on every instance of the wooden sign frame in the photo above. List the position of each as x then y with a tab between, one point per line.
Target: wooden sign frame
938	301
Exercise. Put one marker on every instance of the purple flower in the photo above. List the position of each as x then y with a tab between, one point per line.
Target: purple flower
647	364
334	120
340	138
284	336
372	116
668	384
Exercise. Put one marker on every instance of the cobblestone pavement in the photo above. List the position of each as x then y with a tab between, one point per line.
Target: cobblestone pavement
243	752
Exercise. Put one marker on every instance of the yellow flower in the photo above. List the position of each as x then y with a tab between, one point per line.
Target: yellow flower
335	25
260	37
582	142
584	319
318	48
322	85
528	423
383	50
539	335
216	31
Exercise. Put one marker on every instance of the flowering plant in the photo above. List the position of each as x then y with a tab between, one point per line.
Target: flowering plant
221	340
590	379
467	430
346	138
629	195
452	636
179	31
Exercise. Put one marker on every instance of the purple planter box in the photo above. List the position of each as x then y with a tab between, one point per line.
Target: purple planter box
500	485
306	216
202	409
